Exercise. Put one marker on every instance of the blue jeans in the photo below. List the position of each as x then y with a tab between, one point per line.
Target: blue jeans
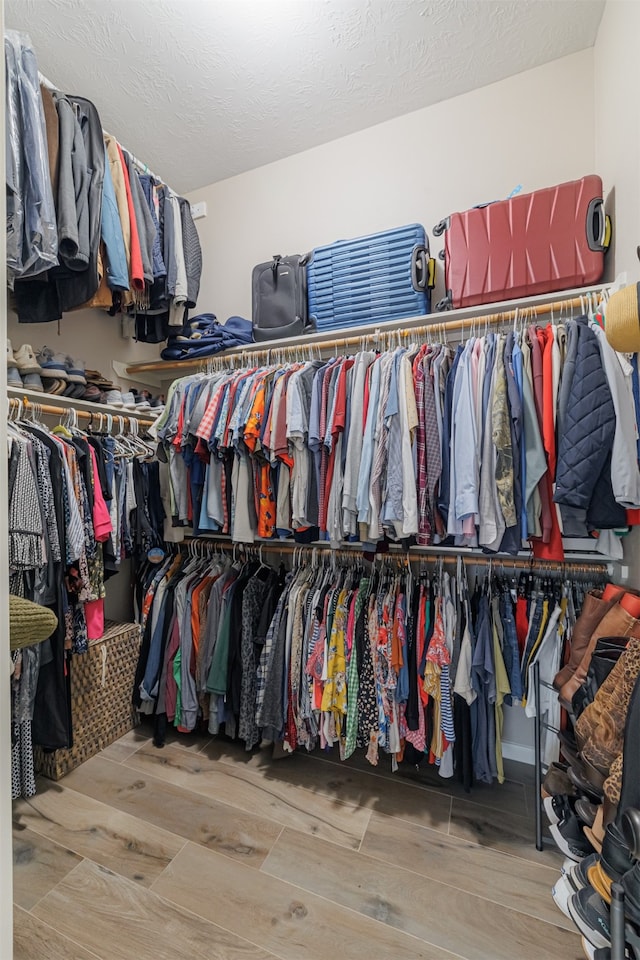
510	651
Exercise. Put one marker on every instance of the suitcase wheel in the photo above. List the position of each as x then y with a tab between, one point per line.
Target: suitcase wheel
445	304
442	254
440	228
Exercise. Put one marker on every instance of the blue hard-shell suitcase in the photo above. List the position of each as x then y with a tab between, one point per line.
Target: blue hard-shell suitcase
385	276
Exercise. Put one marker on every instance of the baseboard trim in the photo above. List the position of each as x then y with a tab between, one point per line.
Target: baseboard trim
518	751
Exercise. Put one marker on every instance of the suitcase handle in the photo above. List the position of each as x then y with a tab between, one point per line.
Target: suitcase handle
596	226
420	269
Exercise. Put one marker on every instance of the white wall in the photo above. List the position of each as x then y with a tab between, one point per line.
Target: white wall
616	67
534	129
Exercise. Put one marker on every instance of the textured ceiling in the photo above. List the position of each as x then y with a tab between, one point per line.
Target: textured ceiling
205	89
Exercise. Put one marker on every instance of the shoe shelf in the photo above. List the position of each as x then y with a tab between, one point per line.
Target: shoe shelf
70	403
565	302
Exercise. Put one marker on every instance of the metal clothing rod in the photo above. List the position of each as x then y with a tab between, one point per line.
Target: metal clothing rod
222	541
83	414
138	163
374	338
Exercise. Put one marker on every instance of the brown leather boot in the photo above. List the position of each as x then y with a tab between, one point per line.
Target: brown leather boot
600	729
615	623
593	610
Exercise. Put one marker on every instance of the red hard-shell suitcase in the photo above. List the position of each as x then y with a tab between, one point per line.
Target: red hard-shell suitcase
552	239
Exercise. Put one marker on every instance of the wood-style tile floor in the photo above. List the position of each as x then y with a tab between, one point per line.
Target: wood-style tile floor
200	851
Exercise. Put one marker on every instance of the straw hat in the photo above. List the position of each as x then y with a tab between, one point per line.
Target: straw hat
29	622
622	319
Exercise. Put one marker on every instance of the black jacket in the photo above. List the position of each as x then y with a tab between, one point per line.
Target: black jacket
588	420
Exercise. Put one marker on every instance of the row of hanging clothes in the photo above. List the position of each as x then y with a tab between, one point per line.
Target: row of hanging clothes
85	226
79	502
415	663
506	439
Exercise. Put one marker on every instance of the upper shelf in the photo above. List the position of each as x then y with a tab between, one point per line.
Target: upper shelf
351	335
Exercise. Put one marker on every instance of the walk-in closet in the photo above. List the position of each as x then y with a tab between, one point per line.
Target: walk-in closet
322	480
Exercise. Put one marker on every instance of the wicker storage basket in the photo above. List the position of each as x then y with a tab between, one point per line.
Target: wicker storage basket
101	688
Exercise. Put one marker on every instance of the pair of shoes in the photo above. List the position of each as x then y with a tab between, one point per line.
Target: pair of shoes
594	609
74	390
572	882
590	914
557	807
113	397
23	369
54	385
98	380
61	366
616	622
570	839
91	393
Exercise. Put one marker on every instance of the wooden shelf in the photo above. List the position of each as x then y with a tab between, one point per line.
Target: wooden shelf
351	335
69	403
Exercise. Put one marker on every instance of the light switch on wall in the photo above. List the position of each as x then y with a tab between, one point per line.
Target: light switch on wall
199	210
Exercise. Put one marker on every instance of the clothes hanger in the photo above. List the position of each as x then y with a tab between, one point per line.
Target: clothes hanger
62	428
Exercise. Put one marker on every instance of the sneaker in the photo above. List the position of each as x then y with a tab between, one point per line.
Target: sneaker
26	361
114	398
128	401
75	370
75	391
11	360
53	364
578	875
570	839
91	393
562	891
556	807
591	916
33	381
13	377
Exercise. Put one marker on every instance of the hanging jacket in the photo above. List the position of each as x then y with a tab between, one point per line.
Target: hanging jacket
32	242
77	288
589	420
146	228
192	252
120	190
72	201
159	269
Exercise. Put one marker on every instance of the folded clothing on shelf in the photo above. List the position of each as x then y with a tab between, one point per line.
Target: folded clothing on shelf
203	337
